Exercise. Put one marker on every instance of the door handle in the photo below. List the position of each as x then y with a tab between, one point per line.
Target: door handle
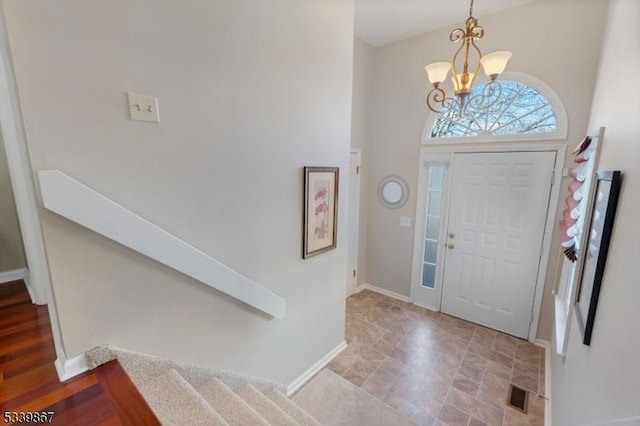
450	246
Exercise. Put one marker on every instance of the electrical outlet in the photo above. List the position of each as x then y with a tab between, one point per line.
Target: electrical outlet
143	107
405	221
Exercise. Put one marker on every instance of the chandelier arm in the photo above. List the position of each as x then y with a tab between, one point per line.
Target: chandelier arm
477	32
457	34
455	59
491	93
479	52
447	105
437	96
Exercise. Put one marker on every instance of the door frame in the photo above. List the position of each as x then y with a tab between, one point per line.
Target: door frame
38	280
437	155
358	153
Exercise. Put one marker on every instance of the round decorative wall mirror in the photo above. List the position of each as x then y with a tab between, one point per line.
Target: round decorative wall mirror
393	192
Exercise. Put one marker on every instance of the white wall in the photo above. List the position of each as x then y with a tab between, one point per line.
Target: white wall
544	45
361	106
249	93
11	247
600	382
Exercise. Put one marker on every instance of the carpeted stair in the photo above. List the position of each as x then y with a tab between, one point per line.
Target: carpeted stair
182	394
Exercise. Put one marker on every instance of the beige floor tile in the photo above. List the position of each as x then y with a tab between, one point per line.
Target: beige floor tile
384	347
364	368
393	366
471	371
381	317
494	390
481	337
491	355
525	367
475	422
528	352
505	344
499	370
393	337
483	411
466	385
353	378
375	389
372	355
410	410
534	416
383	378
525	381
452	416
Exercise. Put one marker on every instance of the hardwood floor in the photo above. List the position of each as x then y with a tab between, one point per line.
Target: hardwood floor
29	383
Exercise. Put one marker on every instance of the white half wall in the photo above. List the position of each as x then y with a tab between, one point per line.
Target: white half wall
74	201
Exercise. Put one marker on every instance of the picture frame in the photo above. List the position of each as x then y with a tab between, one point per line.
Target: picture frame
320	223
601	219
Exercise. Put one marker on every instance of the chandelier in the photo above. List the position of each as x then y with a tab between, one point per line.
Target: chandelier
465	66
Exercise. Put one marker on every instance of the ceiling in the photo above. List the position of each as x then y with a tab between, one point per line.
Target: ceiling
380	22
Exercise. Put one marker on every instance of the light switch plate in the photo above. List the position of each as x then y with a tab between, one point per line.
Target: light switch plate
405	221
143	107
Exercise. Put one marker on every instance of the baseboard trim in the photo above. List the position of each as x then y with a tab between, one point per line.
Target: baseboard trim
71	367
315	368
542	343
547	379
13	275
431	308
383	291
18	274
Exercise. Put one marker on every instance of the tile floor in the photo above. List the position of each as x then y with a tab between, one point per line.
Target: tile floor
437	369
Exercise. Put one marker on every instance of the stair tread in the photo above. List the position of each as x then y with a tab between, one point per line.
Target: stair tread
176	402
233	409
291	408
273	414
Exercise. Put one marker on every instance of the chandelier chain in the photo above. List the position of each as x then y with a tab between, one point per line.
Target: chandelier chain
471	9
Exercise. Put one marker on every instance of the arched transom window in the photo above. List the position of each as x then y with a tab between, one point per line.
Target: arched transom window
520	109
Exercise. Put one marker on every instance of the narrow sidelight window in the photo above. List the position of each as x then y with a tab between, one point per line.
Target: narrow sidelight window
433	220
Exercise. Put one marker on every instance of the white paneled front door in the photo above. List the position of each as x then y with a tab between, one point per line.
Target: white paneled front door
496	224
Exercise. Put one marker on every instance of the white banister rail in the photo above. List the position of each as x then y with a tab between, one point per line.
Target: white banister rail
77	202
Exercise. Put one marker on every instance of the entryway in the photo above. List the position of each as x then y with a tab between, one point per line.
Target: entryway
482	232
